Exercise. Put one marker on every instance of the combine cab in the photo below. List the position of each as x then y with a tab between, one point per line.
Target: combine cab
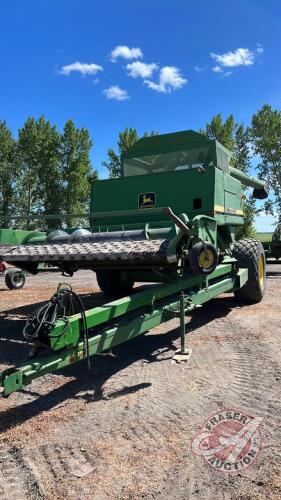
170	219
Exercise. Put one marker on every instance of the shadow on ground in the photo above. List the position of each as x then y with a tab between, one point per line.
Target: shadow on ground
149	348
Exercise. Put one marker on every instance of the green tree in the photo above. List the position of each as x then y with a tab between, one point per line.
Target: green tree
7	173
49	170
28	186
126	139
224	132
241	154
39	184
241	160
77	171
266	139
235	138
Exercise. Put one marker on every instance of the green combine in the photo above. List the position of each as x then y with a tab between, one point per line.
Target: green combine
271	243
169	220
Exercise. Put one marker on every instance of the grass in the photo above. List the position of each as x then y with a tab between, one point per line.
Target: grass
264	237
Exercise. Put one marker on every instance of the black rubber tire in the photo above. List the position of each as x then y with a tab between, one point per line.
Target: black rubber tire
194	254
14	279
113	282
248	252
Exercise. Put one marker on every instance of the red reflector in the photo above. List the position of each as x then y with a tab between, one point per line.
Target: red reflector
2	267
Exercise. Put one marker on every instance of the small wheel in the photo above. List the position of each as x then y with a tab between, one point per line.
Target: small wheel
114	282
249	254
14	279
203	258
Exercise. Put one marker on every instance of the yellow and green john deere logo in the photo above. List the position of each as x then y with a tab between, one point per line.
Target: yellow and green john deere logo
147	200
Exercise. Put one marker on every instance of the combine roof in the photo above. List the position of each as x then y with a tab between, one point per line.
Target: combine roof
167	142
215	153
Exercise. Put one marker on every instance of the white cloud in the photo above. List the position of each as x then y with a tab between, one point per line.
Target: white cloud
139	69
169	79
125	52
114	92
155	86
226	74
240	57
199	69
259	49
217	69
83	68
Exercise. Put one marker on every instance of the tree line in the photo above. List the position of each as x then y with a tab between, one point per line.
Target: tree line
262	140
44	172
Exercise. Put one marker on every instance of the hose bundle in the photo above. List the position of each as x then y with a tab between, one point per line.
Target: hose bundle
59	307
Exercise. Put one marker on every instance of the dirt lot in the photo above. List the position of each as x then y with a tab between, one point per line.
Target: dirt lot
124	429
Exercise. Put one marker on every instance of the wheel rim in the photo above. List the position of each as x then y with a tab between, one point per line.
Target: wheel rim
206	259
17	278
261	271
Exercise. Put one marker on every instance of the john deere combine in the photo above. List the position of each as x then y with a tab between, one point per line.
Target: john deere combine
169	220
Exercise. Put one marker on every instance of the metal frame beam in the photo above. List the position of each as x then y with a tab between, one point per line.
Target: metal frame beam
166	300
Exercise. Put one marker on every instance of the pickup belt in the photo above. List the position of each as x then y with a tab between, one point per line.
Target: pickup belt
150	252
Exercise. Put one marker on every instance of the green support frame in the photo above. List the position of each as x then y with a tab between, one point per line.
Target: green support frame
132	315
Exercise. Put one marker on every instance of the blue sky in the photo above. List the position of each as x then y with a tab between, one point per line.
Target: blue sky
180	62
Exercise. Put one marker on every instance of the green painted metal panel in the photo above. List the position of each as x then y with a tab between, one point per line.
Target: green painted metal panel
217	194
219	189
17	237
228	206
113	310
178	189
233	196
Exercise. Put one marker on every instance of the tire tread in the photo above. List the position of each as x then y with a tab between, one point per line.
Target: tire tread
247	252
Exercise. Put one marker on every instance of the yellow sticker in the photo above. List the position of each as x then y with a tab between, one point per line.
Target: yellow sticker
147	200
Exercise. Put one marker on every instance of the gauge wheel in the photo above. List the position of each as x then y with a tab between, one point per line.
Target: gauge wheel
14	279
203	258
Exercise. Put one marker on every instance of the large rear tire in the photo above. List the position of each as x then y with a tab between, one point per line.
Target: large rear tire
249	254
113	282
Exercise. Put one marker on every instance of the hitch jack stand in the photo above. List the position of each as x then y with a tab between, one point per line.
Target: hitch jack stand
183	354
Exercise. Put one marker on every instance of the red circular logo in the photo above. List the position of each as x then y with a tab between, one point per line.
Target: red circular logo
229	441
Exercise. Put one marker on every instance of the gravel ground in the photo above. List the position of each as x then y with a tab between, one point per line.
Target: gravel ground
124	429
